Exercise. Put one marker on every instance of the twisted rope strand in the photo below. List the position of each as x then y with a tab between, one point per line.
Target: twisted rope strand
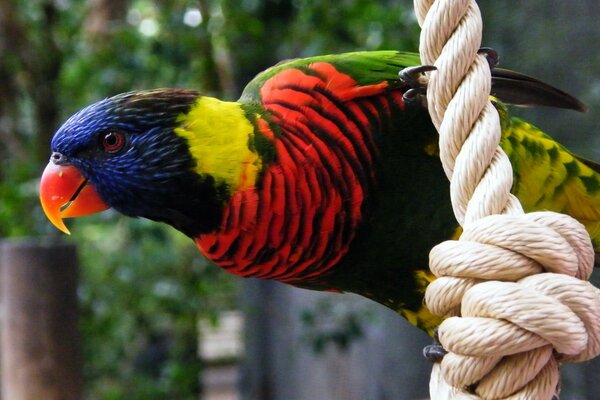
516	322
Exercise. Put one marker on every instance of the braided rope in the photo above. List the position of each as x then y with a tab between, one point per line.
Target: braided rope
518	281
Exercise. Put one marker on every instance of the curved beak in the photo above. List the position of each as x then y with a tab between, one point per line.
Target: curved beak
66	193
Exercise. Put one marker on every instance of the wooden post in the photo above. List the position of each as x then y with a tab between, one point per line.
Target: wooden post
279	362
40	340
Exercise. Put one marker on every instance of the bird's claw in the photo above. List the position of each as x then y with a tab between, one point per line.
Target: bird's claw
491	55
413	95
415	79
435	352
413	76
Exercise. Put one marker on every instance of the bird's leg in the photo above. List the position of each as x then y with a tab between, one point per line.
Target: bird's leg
435	351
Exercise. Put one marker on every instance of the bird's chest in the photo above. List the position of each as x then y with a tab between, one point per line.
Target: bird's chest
294	226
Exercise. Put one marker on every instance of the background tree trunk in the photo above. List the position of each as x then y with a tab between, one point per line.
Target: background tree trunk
40	339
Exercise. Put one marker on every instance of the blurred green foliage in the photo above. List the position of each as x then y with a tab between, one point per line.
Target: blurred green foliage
143	291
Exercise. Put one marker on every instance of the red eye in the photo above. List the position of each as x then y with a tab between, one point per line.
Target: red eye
112	141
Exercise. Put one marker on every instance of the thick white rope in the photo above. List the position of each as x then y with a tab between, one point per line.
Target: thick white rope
518	281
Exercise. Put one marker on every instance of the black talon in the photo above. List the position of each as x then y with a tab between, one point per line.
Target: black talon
411	95
412	75
434	352
417	86
491	55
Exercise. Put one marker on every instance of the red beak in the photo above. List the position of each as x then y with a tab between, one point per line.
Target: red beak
66	193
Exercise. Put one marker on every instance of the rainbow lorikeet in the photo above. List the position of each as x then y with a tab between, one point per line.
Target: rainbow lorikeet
321	175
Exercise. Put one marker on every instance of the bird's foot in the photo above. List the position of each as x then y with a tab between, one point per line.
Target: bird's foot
435	351
416	80
414	76
491	55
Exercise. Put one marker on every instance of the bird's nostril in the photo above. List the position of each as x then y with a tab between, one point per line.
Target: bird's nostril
57	158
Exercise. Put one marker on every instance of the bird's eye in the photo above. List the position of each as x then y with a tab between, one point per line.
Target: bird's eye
112	141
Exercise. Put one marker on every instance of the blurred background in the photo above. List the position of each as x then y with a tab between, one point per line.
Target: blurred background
156	321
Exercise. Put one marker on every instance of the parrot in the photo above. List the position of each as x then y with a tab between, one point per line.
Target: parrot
324	174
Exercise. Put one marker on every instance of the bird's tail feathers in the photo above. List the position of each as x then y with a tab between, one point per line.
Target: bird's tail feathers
519	89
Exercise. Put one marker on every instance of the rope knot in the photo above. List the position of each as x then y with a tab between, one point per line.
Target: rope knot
513	316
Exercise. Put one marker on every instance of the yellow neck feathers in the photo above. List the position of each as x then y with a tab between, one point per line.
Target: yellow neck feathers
218	134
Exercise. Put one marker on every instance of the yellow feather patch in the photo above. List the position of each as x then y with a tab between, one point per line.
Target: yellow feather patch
548	176
219	133
422	318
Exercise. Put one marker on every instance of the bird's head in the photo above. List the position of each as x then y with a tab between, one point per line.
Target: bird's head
123	152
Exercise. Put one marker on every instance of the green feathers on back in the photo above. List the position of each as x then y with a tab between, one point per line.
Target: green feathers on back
366	67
